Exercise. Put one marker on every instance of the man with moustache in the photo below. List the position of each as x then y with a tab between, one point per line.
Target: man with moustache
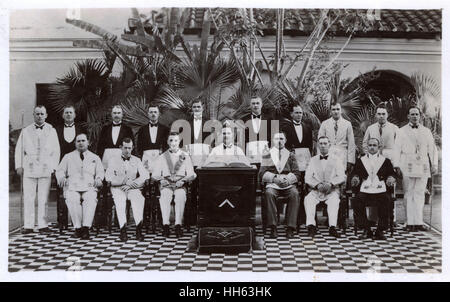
36	158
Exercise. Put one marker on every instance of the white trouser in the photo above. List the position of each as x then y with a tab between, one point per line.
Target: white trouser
414	188
32	185
332	201
81	212
180	201
120	201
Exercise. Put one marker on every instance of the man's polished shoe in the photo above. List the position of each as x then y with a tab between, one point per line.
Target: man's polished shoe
312	230
379	235
123	234
166	231
139	236
289	232
333	232
273	232
85	233
27	231
44	230
77	233
178	231
421	228
408	228
367	234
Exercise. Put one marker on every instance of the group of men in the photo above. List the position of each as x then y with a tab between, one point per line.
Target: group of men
126	162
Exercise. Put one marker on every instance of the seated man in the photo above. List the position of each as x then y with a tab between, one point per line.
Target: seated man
123	174
226	153
372	173
279	171
81	174
173	169
324	175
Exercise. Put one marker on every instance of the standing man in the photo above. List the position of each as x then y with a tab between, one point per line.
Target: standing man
384	131
68	131
152	139
324	175
127	176
280	174
173	169
36	158
257	130
81	173
340	133
372	174
414	150
112	135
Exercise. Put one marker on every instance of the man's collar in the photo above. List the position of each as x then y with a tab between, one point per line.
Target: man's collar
373	155
227	146
414	126
69	125
174	151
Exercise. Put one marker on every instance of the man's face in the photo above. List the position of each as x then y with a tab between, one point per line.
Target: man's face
117	114
372	146
81	143
126	149
197	108
414	116
297	114
69	115
382	115
336	111
39	114
227	136
174	142
153	114
324	146
256	105
279	140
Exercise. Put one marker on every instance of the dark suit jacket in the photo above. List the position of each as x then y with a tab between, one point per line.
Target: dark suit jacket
384	172
202	136
105	140
290	167
249	132
144	142
64	146
292	138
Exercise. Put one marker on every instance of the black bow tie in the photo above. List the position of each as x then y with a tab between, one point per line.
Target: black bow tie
227	147
256	116
415	126
70	126
39	127
117	125
325	157
153	125
297	124
125	159
173	151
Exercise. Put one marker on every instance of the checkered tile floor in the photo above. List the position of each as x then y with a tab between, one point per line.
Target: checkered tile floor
418	252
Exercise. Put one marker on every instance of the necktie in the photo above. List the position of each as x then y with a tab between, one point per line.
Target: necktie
335	128
68	126
117	125
325	157
125	159
81	156
381	130
256	116
39	127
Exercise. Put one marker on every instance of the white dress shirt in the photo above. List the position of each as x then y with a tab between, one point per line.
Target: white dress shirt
115	133
153	131
197	126
299	130
256	123
69	133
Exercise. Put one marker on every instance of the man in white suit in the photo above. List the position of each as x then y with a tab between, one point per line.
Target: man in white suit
340	133
127	175
81	174
414	150
36	158
173	169
324	175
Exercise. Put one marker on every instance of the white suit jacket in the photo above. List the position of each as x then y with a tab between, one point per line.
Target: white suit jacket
37	151
80	174
119	171
332	172
162	170
344	138
387	141
415	146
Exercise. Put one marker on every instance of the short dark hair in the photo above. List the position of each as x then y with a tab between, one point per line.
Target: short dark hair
117	106
40	106
197	101
154	106
82	133
381	106
335	104
292	106
322	137
127	140
68	106
172	133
